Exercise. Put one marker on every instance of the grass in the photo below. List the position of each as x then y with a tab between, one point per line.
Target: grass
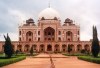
85	57
5	61
90	59
75	54
15	58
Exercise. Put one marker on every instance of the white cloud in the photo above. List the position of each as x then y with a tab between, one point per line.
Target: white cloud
18	14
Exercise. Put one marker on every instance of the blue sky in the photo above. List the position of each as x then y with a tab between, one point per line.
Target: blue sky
85	13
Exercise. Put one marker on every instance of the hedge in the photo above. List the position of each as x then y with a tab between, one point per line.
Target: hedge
76	54
90	59
5	61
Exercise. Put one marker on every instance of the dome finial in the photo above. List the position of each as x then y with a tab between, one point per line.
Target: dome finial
49	4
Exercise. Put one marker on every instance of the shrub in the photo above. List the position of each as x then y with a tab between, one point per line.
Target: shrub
90	59
5	61
76	54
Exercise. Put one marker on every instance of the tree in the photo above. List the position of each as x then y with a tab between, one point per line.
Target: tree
95	43
31	50
8	48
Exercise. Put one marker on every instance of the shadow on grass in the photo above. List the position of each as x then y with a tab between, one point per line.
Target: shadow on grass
2	57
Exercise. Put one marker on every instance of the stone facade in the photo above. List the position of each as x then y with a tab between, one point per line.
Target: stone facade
49	35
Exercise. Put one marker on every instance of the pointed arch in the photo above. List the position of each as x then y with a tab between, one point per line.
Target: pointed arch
29	36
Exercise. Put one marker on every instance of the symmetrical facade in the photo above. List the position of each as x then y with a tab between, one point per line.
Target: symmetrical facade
49	35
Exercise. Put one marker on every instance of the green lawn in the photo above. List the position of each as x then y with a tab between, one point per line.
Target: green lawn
85	57
15	58
90	59
5	61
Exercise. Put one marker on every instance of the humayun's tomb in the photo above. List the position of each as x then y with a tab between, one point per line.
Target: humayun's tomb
49	35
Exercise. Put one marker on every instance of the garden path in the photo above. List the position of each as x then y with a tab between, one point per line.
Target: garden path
60	61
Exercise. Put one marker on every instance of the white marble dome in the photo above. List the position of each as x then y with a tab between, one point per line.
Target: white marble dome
49	13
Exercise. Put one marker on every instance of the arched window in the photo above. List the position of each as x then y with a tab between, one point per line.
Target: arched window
59	39
19	39
59	33
38	39
38	32
19	32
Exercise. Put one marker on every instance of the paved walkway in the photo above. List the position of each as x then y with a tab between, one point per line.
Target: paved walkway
69	62
47	56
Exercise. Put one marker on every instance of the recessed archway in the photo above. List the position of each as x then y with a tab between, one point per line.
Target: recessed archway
49	34
26	48
86	47
79	47
64	48
29	36
49	48
19	47
42	48
56	49
69	36
34	47
72	47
